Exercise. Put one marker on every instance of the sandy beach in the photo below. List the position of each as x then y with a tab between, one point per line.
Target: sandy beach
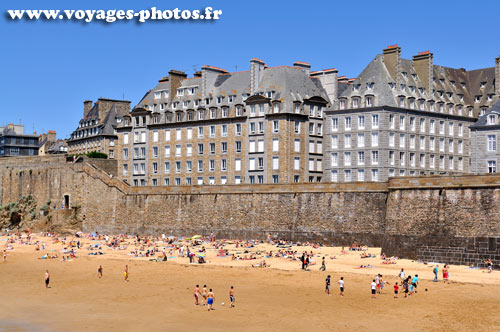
282	297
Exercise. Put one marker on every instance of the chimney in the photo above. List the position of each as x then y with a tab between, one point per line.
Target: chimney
497	75
87	105
329	80
303	65
175	77
51	136
208	76
197	73
257	67
423	65
392	60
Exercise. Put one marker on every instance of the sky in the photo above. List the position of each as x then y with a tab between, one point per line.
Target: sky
48	68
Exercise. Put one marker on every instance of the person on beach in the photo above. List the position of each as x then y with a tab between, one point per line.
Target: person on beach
396	289
204	294
99	272
414	282
377	282
47	278
196	294
4	255
327	285
405	287
210	300
341	285
435	270
125	273
231	297
445	273
402	274
374	288
489	265
323	265
303	260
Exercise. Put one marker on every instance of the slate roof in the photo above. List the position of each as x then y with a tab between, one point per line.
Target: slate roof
483	119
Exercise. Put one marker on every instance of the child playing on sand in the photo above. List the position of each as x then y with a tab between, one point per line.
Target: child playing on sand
47	278
210	300
396	289
374	288
99	272
231	296
125	273
327	285
341	285
204	294
196	294
323	265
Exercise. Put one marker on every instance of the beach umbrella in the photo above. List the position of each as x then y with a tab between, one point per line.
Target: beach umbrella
201	255
196	237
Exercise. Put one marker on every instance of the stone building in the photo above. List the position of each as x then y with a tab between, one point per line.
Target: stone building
264	125
49	144
405	117
14	142
96	130
485	134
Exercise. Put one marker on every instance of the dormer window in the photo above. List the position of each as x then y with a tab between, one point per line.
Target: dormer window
413	89
450	108
463	84
178	116
441	80
440	93
401	101
224	112
196	103
297	108
477	98
461	97
490	97
470	112
185	104
483	111
269	94
355	102
244	96
155	119
190	115
450	94
180	92
239	110
459	109
392	85
207	101
370	85
441	108
414	76
174	104
276	108
342	104
162	107
219	99
412	103
230	99
491	119
369	101
191	91
422	90
431	106
200	115
355	87
452	83
212	113
483	84
405	74
421	104
158	95
403	87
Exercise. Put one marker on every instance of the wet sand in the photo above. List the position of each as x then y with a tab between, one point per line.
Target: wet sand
159	296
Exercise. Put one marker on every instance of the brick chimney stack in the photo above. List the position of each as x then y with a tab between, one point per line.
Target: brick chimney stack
424	65
87	106
392	60
497	75
257	67
303	65
208	76
175	77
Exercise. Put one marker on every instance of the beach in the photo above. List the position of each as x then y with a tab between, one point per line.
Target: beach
282	297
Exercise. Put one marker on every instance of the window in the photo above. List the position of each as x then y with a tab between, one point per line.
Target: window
319	127
252	110
125	138
125	154
251	179
311	164
441	144
200	165
342	104
190	133
297	127
212	131
391	158
167	150
391	139
412	141
224	112
238	146
319	166
239	110
348	123
422	125
361	122
200	132
431	161
492	166
297	108
450	163
252	127
369	101
374	157
261	163
347	159
347	141
178	150
213	113
422	160
155	182
422	142
450	146
224	131
261	127
311	128
276	145
311	146
238	129
335	142
402	123
460	147
189	166
391	121
167	167
320	111
460	164
355	102
260	179
125	169
296	163
402	141
276	126
361	157
412	124
296	145
155	152
319	147
200	115
237	165
432	126
402	158
261	110
374	174
491	119
432	143
211	180
212	148
412	159
143	137
335	159
335	124
347	175
177	167
334	176
441	162
441	127
223	165
276	163
375	121
361	175
374	139
492	142
276	108
260	145
211	164
237	179
450	129
412	103
251	164
178	134
200	148
460	129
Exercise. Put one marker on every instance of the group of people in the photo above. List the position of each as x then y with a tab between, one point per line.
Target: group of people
340	282
208	297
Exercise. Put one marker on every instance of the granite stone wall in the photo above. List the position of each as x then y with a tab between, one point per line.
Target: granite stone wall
443	219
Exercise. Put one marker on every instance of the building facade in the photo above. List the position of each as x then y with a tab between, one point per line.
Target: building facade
405	118
49	144
14	142
96	130
259	126
485	135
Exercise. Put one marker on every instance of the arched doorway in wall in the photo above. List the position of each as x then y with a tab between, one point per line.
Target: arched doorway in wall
66	202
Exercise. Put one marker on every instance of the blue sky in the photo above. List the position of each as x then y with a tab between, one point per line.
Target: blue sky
48	68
